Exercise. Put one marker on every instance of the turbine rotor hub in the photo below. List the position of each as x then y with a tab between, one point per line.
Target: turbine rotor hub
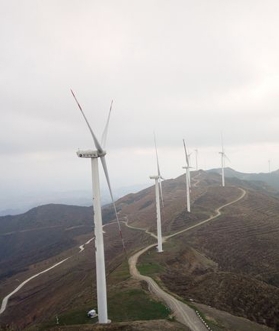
90	153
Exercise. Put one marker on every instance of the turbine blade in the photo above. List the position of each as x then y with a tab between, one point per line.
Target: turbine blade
189	159
161	192
96	142
227	157
222	142
105	133
104	164
158	167
186	155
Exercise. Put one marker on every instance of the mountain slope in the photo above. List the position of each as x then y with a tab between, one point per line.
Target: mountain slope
40	233
229	263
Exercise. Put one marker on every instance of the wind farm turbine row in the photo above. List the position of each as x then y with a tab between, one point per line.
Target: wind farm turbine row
159	192
188	177
158	184
99	153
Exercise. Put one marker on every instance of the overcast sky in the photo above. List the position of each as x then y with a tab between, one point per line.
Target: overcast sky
184	69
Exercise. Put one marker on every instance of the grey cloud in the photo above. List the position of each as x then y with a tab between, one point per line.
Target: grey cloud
184	69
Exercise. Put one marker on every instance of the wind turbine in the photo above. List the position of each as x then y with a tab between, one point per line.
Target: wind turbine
99	241
158	193
187	178
223	156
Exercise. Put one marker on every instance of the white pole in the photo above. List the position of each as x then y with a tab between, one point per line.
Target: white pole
158	211
223	174
99	245
188	188
187	175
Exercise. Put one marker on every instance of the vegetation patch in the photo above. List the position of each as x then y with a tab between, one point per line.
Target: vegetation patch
146	204
149	269
76	317
120	274
128	305
135	304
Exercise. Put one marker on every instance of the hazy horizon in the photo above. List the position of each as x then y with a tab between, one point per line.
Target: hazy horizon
14	204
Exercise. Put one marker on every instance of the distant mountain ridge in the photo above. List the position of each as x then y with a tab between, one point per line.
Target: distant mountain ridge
271	179
21	203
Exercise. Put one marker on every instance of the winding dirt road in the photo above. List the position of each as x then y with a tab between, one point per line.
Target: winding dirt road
217	211
183	313
6	299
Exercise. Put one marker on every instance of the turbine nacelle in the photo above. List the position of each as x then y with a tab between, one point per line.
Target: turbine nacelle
90	153
155	177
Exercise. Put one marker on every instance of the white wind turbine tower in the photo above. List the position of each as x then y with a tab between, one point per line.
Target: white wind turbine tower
189	162
98	229
187	178
223	156
158	193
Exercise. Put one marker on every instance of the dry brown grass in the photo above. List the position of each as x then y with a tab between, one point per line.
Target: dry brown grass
230	263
